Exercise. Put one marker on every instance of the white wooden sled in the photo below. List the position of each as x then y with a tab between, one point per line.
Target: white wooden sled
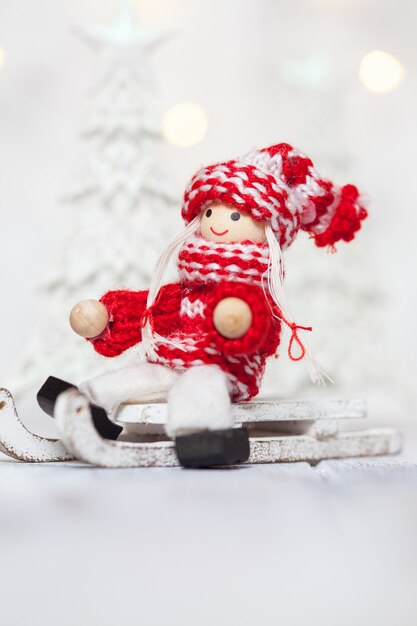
279	432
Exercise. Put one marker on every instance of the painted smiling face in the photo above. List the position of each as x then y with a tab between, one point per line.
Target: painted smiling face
224	223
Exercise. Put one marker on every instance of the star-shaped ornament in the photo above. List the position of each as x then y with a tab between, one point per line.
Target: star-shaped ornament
123	42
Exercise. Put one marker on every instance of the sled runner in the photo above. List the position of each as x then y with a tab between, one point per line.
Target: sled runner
19	443
278	432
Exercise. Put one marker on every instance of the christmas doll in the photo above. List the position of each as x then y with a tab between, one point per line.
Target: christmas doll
207	336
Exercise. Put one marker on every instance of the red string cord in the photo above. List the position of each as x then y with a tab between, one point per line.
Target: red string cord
295	338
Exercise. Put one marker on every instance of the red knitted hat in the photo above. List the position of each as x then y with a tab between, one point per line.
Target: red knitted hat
281	185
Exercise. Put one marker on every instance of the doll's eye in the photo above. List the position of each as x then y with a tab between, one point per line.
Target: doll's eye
209	212
235	216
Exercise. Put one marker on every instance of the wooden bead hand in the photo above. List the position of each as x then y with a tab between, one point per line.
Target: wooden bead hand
232	317
89	318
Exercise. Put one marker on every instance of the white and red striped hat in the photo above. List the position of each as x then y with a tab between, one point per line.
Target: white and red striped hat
279	184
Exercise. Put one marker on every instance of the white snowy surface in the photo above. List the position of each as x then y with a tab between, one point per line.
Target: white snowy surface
271	544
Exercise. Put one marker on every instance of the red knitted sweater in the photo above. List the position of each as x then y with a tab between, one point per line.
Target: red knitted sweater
183	312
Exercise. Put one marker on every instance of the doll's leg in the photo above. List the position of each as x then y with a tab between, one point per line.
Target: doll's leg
144	382
199	400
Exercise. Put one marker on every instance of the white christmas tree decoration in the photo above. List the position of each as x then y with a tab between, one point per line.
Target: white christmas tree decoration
120	217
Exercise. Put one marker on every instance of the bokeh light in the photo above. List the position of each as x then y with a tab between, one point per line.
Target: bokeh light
381	72
184	124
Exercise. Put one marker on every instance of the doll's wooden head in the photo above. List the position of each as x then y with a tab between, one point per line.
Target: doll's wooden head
226	224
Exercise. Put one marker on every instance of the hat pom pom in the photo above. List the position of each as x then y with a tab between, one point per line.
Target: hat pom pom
345	217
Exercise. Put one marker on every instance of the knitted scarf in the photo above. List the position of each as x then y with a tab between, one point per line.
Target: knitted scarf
201	261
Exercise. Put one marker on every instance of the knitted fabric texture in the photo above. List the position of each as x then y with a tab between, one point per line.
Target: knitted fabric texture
201	260
183	313
279	184
126	310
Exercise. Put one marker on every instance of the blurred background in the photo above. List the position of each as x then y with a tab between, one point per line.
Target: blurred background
107	108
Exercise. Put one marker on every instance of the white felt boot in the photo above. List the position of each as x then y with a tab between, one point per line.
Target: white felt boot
144	382
199	400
